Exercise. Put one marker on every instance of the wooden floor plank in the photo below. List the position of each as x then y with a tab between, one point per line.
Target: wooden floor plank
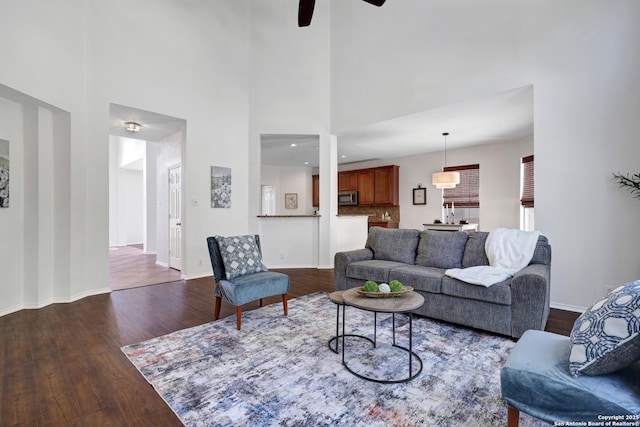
62	364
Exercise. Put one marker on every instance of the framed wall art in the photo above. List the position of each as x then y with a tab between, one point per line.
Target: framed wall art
220	187
291	200
4	173
419	196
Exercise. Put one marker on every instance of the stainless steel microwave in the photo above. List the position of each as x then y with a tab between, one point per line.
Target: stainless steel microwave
348	198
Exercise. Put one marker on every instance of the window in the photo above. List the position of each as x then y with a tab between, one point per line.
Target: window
527	194
466	195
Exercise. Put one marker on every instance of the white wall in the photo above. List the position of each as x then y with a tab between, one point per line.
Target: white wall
290	180
289	92
190	60
11	219
580	56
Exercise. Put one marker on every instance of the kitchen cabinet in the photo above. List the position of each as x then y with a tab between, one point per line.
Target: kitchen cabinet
348	181
366	187
386	185
378	186
315	191
375	186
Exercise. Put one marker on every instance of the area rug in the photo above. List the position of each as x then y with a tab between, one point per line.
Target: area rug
279	371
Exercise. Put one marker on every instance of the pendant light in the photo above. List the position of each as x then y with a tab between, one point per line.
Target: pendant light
445	179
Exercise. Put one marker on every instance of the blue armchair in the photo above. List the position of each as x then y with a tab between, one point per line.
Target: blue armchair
240	276
536	380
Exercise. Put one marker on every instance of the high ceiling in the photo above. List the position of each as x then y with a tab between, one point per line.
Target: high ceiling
505	116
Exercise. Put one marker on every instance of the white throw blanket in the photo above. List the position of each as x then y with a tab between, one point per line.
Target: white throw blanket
508	251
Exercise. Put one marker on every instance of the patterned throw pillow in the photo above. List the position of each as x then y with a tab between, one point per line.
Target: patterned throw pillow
606	337
240	255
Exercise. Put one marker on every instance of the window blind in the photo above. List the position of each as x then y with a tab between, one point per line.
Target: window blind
527	182
467	193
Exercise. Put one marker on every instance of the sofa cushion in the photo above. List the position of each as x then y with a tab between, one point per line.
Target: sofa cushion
474	252
606	337
500	293
441	249
393	244
427	279
376	270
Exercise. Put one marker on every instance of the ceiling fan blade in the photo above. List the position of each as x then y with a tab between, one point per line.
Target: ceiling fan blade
305	12
376	2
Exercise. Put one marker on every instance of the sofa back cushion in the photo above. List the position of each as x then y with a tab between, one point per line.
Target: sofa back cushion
441	249
474	251
393	244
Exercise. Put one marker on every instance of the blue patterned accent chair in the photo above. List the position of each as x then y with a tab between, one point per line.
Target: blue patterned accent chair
240	275
589	378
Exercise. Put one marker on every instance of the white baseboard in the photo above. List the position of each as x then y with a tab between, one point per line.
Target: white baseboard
55	300
196	276
568	307
282	266
162	264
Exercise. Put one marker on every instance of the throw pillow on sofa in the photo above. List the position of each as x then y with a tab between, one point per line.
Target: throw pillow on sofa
606	337
441	249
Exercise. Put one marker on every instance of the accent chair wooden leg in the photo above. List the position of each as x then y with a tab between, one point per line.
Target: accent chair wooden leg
238	317
285	304
260	302
513	417
216	311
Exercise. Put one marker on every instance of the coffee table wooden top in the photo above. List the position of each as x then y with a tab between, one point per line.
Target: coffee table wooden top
401	304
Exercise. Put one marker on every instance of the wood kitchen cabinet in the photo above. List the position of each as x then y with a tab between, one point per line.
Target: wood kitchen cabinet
366	187
315	191
386	185
375	186
378	186
348	181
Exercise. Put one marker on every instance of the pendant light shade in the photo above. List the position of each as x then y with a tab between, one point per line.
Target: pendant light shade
445	179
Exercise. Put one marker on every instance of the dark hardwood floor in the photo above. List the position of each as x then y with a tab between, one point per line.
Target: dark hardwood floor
62	365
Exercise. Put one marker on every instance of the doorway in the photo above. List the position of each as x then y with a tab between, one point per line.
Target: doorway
145	197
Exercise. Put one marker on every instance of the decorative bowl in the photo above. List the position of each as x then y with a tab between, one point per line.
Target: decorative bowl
405	290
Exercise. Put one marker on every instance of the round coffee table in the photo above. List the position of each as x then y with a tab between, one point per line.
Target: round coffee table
400	304
336	298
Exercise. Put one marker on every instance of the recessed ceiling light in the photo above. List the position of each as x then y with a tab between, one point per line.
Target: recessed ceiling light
344	156
306	163
294	145
132	126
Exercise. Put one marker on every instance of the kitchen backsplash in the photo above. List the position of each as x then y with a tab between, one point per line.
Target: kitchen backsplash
374	212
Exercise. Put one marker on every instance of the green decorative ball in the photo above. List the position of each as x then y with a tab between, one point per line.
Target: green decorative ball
395	286
371	286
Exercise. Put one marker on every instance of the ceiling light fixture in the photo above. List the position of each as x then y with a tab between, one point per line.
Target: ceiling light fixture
445	179
132	126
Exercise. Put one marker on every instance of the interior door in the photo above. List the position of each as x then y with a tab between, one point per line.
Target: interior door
175	218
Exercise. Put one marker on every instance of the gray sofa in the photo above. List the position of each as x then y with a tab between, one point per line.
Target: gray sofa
420	259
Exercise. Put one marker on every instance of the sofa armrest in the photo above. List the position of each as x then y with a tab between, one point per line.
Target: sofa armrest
530	298
342	259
